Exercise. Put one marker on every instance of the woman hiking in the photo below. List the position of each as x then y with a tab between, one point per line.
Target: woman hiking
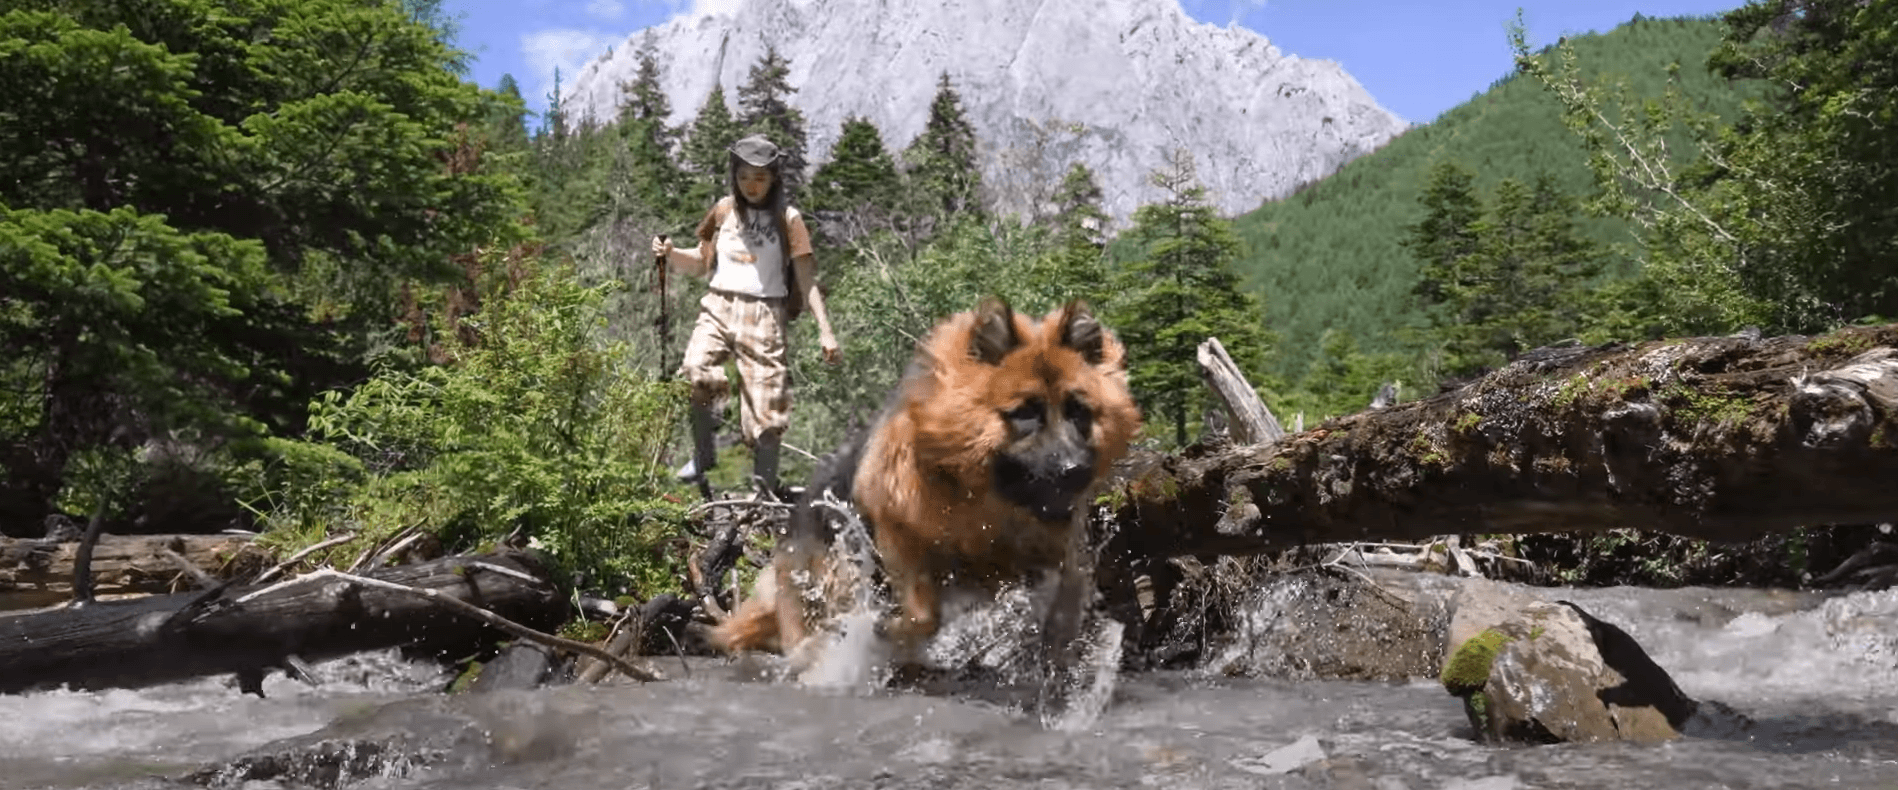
756	253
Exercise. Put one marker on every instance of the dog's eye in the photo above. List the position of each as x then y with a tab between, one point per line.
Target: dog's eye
1078	413
1026	418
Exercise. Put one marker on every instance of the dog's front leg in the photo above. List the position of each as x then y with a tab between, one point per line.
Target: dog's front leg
917	618
1061	628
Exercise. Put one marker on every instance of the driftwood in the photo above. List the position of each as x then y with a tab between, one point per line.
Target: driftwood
247	630
1719	438
35	573
1253	423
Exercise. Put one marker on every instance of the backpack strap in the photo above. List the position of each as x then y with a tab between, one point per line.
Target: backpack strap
708	233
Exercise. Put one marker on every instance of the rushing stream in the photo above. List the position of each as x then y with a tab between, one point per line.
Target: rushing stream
1811	681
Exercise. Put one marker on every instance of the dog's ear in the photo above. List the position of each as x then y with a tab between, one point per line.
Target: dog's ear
994	334
1081	331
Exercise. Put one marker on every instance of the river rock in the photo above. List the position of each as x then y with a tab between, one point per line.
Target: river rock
1556	673
1479	604
1385	625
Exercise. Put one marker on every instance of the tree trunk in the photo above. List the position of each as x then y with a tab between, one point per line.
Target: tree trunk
1252	422
167	638
35	573
1718	438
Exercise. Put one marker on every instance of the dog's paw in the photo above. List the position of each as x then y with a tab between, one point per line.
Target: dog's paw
804	655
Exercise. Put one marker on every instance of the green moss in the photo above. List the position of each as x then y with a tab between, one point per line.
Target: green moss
466	678
1279	464
1711	404
1468	422
1839	343
1621	388
581	629
1570	391
1535	633
1592	382
1468	668
625	601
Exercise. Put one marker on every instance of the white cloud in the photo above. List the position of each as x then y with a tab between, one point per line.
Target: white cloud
1243	8
605	10
565	49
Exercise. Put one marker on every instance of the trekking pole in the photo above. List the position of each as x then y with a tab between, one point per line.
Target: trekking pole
664	320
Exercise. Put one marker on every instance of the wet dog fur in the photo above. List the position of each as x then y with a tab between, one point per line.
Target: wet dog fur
975	474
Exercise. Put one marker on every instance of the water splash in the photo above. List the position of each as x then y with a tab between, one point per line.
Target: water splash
1091	683
853	659
1747	646
846	655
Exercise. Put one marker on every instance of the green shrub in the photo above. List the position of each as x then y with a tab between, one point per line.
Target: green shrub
533	423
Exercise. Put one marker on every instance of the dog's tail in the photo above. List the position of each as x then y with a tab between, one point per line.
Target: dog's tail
754	624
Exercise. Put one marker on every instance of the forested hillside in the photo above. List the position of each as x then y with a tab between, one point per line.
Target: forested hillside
1329	258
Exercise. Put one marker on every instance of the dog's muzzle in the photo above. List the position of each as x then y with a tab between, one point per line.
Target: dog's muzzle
1048	490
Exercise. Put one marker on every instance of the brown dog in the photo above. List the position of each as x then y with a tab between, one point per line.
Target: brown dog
975	474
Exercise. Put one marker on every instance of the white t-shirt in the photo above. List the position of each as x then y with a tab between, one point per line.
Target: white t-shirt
750	261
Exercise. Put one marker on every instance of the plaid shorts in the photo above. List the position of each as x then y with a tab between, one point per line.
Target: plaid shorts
749	330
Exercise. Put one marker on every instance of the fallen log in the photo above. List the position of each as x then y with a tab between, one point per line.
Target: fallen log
1723	438
246	630
35	573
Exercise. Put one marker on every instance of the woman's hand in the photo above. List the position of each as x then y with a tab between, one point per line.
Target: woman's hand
832	353
662	248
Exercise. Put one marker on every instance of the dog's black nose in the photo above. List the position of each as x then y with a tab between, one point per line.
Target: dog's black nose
1070	477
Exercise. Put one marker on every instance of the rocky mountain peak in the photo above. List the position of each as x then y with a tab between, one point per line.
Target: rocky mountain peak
1115	84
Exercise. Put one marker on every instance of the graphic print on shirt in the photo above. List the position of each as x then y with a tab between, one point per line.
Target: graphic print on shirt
758	231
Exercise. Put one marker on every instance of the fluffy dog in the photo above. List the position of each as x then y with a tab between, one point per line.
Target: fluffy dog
974	474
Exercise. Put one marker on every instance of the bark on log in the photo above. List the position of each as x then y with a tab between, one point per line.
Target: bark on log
1719	438
35	573
166	638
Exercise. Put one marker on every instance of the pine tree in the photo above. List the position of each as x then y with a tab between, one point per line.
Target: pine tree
554	120
712	132
1179	290
651	178
1076	263
1501	281
569	172
764	107
1079	219
860	170
1446	237
507	115
942	163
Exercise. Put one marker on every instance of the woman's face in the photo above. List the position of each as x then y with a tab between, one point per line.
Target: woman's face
754	182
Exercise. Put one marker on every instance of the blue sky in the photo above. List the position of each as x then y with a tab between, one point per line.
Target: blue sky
1416	58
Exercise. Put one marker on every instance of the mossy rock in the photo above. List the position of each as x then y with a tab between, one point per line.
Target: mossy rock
1468	669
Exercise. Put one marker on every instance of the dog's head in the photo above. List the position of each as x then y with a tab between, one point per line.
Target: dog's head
1034	412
